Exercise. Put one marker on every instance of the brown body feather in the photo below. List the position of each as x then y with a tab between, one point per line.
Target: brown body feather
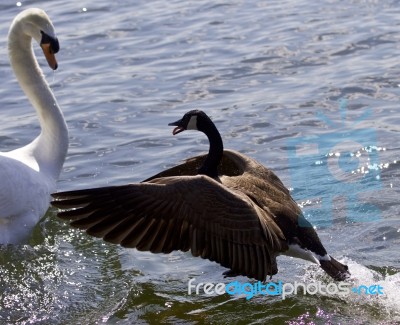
242	219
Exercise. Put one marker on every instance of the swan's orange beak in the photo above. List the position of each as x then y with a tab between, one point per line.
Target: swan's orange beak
49	55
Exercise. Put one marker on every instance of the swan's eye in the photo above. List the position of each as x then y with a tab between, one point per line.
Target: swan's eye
54	46
45	38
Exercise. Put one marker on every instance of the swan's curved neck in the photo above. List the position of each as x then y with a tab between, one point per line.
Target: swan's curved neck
50	147
210	165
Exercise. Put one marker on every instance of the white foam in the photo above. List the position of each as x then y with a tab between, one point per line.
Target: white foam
387	303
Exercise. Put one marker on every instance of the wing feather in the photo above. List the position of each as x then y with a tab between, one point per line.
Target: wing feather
179	213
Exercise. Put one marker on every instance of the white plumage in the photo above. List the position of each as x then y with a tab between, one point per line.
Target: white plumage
28	174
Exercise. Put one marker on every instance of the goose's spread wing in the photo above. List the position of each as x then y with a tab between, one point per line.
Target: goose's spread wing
249	170
233	164
180	213
190	167
246	175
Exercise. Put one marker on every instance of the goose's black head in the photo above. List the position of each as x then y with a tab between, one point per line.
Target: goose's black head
192	120
198	120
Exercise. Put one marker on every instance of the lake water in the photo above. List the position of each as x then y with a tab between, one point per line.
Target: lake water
311	90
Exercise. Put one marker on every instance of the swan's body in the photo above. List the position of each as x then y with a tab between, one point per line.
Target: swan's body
28	174
223	206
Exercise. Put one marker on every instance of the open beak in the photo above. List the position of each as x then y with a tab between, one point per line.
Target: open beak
178	128
49	55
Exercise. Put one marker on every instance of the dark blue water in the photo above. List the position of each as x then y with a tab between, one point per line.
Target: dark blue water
310	90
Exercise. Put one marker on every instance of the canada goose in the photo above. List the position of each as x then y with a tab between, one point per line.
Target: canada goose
28	174
240	216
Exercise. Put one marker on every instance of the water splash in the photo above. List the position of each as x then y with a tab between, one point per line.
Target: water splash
363	306
320	316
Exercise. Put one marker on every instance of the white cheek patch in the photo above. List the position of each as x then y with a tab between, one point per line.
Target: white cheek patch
192	125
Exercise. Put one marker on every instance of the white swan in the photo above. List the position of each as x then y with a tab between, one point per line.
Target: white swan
28	174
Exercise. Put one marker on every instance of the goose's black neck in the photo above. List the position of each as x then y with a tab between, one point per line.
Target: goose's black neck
210	165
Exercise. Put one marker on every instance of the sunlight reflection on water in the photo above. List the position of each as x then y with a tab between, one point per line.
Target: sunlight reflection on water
266	73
